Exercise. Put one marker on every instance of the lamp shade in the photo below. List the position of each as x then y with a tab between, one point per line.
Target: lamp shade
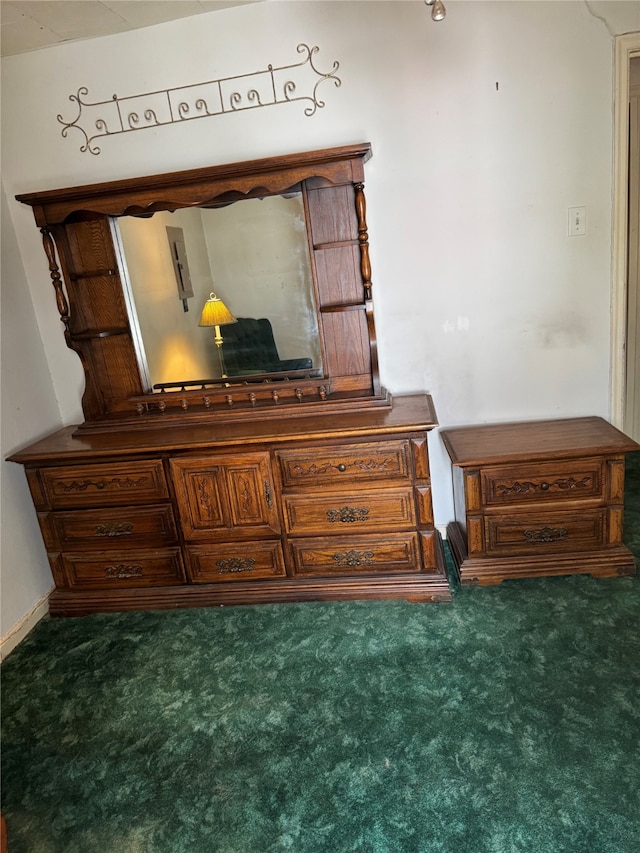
215	313
438	12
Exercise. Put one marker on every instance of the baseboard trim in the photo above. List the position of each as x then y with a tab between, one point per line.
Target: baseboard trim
16	635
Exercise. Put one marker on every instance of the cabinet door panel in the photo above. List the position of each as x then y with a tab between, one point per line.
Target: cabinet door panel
229	496
201	497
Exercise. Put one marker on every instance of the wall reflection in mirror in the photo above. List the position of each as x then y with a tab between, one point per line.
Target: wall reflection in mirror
254	256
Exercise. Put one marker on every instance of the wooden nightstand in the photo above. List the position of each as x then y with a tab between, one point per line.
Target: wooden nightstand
538	498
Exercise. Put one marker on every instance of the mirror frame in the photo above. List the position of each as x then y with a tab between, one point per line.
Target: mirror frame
78	239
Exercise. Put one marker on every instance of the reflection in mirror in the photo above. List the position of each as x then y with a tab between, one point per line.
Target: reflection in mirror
254	255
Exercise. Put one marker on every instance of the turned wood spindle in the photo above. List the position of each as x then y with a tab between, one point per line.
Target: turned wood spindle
56	278
363	239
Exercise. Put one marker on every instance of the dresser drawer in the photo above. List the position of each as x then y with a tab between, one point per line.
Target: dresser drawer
105	484
545	532
342	464
113	528
124	569
235	561
549	481
340	513
351	555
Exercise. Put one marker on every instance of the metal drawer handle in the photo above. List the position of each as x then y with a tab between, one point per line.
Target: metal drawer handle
342	467
347	514
546	534
235	564
354	558
114	528
122	571
544	486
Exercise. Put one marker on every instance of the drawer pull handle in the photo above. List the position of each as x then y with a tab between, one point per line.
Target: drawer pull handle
235	565
354	558
546	534
544	486
114	528
122	571
348	514
342	467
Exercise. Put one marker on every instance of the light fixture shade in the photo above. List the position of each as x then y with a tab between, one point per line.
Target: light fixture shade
216	313
438	11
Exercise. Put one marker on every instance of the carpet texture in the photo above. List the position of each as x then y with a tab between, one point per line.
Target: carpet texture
506	721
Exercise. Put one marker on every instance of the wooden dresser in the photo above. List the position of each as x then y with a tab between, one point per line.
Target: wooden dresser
538	498
266	510
188	485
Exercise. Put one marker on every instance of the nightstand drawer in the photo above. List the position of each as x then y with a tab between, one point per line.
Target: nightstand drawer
235	562
349	555
340	513
557	481
124	569
121	483
545	532
342	464
109	528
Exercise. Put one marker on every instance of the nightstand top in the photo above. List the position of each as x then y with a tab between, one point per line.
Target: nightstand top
486	444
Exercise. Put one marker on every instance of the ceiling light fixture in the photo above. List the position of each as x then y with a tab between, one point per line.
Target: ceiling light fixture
438	11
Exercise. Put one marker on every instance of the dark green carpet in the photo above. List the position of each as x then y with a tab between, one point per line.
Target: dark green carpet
506	721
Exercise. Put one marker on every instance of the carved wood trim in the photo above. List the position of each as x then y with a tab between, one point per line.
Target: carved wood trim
199	186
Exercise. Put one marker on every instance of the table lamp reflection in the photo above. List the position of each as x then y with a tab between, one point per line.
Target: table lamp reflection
215	313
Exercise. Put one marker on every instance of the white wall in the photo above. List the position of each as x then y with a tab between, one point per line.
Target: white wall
485	129
29	411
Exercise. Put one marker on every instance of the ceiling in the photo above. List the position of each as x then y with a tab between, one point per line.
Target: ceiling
27	25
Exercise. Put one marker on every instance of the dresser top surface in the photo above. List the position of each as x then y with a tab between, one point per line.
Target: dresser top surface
486	444
411	413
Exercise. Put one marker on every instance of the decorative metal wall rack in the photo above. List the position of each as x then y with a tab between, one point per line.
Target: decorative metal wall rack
273	85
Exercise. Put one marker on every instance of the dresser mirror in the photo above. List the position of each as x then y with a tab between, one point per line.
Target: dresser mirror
254	255
135	320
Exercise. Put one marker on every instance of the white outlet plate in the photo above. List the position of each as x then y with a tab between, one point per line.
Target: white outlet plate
577	221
